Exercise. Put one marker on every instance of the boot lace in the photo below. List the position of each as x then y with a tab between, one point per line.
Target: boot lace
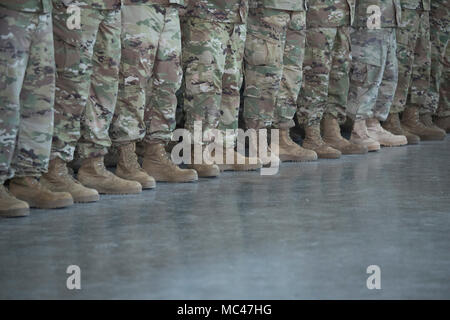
63	172
427	121
4	192
164	157
130	158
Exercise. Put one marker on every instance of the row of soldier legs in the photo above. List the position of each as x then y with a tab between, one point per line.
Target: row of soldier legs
117	81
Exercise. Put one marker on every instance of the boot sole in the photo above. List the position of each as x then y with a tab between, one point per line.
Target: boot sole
238	169
148	186
425	138
414	142
330	157
282	159
15	213
54	205
393	145
119	192
157	178
87	199
176	181
353	153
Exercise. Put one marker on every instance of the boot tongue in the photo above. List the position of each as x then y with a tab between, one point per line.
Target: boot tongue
426	119
3	191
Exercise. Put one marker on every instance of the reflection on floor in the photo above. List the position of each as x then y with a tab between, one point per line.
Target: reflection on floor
309	232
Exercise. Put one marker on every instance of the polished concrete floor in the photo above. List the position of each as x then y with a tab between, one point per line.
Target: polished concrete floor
309	232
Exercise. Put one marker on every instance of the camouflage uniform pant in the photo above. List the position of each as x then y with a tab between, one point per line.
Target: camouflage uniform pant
87	62
326	75
213	53
444	90
150	74
274	52
27	87
413	53
440	67
374	73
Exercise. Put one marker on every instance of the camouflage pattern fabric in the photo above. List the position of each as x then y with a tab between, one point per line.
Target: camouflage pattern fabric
212	61
444	90
27	87
327	60
374	73
390	13
325	72
229	11
274	52
87	62
288	5
414	61
440	61
150	74
330	13
42	6
92	4
416	4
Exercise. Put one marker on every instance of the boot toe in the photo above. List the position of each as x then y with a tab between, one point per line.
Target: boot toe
207	171
86	195
413	139
148	183
58	200
129	187
354	149
329	153
189	175
18	209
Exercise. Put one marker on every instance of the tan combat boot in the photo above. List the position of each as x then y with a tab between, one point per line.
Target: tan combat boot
93	174
29	189
158	164
204	170
443	123
394	126
265	159
128	167
385	138
313	141
427	120
332	137
411	122
58	179
290	151
361	136
10	206
239	163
